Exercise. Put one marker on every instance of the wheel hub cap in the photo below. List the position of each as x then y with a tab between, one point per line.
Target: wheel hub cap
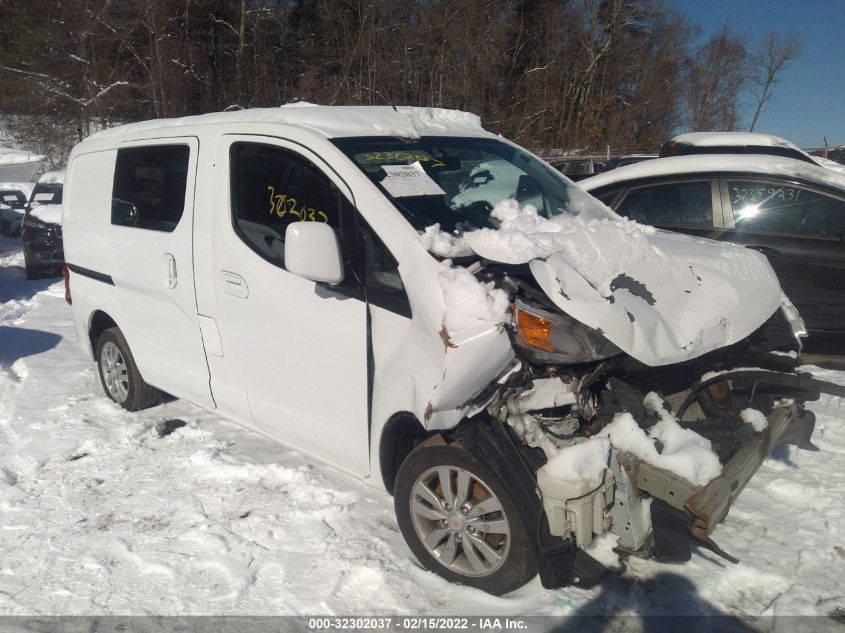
456	523
459	521
113	368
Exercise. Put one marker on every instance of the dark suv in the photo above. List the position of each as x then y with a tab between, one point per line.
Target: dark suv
42	229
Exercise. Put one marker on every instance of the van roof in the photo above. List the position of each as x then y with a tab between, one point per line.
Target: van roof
330	121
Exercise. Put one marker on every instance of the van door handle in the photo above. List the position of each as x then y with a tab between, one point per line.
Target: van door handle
172	277
234	284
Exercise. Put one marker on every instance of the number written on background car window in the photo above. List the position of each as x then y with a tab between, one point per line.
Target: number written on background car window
788	210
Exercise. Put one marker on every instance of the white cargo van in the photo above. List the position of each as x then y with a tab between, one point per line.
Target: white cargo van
427	305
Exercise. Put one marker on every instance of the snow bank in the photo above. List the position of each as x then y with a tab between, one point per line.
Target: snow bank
583	461
49	213
598	249
468	301
444	244
11	156
755	418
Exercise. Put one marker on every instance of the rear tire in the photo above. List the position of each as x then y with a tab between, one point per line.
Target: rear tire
472	534
119	374
32	272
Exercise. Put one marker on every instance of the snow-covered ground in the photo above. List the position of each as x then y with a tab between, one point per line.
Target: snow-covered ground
107	512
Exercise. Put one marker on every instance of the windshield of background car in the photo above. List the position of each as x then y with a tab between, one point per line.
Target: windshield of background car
456	182
44	193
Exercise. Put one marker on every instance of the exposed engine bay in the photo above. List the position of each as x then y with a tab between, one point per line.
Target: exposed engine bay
570	385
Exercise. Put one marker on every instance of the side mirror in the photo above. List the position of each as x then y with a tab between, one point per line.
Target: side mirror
312	251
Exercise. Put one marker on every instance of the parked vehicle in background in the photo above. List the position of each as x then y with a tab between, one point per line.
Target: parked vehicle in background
364	284
791	210
696	143
834	154
14	197
41	231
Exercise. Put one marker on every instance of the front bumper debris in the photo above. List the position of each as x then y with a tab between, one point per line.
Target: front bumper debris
708	505
654	511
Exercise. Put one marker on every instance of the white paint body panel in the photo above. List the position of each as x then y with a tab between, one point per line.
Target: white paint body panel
159	322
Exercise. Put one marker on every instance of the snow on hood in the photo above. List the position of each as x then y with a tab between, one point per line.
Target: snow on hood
661	297
683	298
49	213
598	249
332	121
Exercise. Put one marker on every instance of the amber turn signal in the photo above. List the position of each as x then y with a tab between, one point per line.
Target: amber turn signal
534	330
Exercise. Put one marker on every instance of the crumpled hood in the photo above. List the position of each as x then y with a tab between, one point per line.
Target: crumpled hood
675	299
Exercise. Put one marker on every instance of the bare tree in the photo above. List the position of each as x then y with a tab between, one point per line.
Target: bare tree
717	73
775	52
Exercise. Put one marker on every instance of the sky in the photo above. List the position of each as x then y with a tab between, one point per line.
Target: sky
809	102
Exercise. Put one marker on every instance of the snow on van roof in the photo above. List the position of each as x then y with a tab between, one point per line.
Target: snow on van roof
758	164
52	177
332	121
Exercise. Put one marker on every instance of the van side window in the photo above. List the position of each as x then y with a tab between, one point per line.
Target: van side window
381	271
149	186
271	188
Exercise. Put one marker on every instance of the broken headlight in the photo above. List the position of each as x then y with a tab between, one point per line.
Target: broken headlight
547	337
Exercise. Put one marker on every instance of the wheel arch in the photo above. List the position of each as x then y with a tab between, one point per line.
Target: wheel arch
99	322
401	434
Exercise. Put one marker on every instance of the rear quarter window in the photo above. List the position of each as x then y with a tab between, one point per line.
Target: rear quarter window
149	186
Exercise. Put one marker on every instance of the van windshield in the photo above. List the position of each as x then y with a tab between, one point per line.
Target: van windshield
456	182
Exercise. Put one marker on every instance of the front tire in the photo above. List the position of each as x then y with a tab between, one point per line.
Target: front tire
119	374
459	521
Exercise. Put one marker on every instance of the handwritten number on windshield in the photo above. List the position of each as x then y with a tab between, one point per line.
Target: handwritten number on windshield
282	204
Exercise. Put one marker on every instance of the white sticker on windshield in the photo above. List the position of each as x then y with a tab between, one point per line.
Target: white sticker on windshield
409	180
44	197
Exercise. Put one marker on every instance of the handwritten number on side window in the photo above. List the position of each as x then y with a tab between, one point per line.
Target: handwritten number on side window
754	195
282	204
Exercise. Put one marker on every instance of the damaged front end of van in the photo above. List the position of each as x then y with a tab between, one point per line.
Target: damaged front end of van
641	404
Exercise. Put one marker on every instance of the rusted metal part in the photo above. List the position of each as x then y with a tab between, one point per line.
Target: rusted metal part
447	342
657	482
709	504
